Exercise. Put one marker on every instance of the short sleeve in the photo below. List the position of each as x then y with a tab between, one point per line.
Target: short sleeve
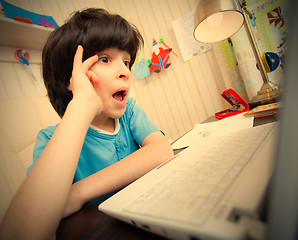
42	140
141	126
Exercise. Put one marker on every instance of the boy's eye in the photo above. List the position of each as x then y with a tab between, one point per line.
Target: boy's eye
126	63
104	59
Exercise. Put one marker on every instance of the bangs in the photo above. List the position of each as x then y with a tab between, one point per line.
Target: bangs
111	32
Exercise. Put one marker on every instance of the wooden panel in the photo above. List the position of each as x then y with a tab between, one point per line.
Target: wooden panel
10	80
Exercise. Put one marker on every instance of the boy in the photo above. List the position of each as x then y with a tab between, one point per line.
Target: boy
86	69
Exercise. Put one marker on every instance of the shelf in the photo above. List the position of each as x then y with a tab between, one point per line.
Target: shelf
22	35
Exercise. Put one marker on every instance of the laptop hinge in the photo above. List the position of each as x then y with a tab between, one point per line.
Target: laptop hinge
256	229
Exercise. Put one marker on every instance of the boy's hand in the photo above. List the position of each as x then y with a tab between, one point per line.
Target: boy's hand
80	82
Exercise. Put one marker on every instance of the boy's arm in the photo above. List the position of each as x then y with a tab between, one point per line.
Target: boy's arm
155	150
38	206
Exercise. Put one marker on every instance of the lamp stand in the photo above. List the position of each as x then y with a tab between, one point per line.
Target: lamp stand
269	92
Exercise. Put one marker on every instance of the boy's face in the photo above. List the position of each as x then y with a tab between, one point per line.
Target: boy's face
112	70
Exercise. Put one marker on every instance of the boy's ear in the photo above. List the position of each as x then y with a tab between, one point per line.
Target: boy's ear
68	87
92	76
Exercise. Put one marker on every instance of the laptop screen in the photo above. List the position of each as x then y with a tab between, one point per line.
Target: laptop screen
283	210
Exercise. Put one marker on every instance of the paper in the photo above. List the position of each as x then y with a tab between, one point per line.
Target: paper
201	131
183	29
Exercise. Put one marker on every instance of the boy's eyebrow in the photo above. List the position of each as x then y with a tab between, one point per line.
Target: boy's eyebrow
104	52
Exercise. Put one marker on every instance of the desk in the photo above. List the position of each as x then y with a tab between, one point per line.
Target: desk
89	223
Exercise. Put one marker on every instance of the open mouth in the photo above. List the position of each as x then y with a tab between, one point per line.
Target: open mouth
120	95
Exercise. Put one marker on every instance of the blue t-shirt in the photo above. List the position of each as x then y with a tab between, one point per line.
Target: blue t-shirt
102	150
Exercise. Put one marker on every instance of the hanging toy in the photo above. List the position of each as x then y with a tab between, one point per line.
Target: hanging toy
141	66
23	56
270	61
160	57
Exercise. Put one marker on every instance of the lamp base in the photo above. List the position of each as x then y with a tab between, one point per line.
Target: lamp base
269	93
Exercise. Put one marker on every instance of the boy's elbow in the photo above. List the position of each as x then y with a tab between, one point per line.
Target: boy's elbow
166	149
160	147
170	151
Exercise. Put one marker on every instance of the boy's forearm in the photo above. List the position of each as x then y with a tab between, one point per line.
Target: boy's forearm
125	171
42	198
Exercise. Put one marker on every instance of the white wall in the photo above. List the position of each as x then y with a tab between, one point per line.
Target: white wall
176	99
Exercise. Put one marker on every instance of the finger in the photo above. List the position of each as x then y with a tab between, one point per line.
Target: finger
88	63
92	76
77	60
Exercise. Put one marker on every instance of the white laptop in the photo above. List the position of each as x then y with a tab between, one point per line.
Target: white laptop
212	190
175	201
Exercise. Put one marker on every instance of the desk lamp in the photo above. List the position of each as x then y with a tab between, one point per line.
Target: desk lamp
216	20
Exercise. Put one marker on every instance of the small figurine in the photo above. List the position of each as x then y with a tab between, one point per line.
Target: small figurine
141	67
160	58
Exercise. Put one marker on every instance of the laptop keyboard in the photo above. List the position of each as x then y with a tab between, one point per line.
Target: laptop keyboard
191	193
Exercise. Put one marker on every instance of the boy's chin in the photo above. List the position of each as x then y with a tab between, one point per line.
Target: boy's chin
118	113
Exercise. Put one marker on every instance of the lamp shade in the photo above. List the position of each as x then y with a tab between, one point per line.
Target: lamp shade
216	20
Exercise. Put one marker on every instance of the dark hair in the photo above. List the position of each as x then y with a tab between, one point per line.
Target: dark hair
94	29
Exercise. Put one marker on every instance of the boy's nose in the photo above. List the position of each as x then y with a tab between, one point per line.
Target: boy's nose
124	72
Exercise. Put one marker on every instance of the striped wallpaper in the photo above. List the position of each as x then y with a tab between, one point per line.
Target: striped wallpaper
175	99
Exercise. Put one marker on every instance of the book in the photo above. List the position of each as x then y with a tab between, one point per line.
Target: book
264	110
